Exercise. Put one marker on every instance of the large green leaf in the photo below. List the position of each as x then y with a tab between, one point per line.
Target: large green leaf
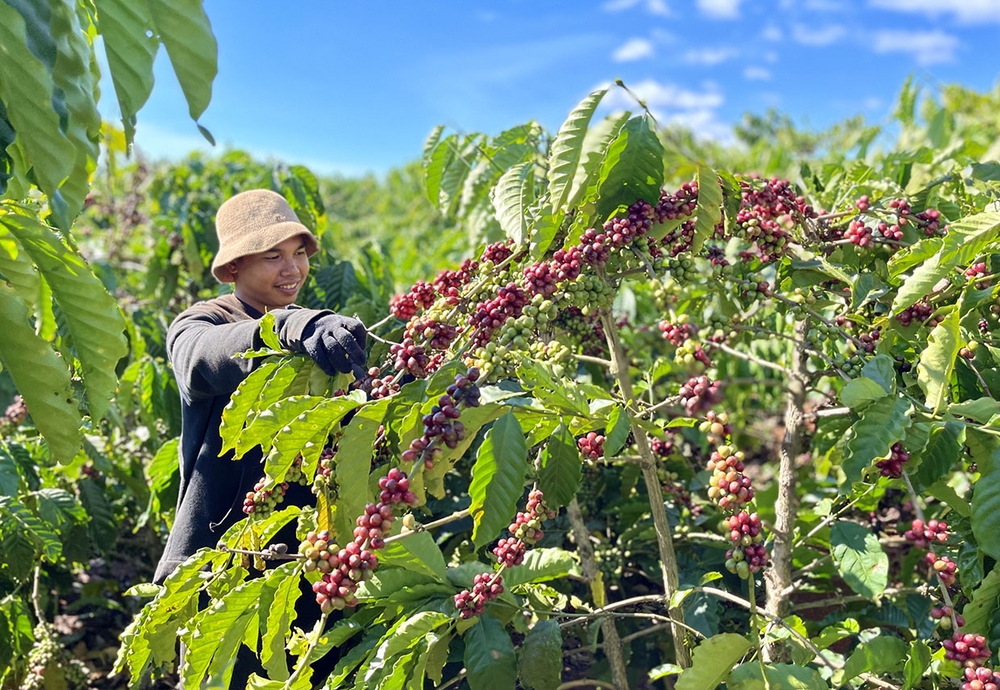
937	361
489	656
561	468
859	558
90	313
26	89
619	428
881	424
632	168
540	661
266	425
243	405
77	83
417	553
541	565
709	209
210	630
497	479
943	449
750	676
130	44
712	661
917	662
437	158
512	196
187	35
877	655
354	461
986	493
567	149
15	517
595	146
41	377
276	613
19	270
307	434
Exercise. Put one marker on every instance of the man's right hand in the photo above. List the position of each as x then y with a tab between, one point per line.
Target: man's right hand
336	343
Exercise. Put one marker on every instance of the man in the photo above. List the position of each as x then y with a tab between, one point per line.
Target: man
264	250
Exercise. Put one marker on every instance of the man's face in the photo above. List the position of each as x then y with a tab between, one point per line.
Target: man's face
272	279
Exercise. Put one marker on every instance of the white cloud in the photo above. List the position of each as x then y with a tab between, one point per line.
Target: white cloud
820	36
927	47
656	7
771	56
965	11
772	33
720	9
709	56
633	49
825	6
753	73
673	104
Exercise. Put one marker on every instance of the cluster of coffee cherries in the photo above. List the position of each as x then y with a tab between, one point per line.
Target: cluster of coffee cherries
728	486
50	665
437	335
748	554
324	469
16	411
980	678
943	614
923	534
858	233
976	271
893	465
716	426
405	306
344	568
967	649
767	208
414	359
699	394
441	425
449	283
526	530
942	566
490	315
266	496
486	587
919	312
375	385
677	333
591	446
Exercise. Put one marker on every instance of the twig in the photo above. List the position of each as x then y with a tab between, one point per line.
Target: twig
454	517
36	596
448	683
982	382
829	412
264	555
751	358
593	360
669	402
612	642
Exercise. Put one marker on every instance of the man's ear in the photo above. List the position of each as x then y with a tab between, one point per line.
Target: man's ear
231	267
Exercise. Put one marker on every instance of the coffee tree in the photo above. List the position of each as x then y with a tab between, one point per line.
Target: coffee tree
730	429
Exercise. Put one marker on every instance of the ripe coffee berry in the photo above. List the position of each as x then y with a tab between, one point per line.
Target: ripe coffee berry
893	465
923	535
966	648
591	446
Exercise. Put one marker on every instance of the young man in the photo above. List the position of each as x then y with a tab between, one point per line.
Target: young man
265	251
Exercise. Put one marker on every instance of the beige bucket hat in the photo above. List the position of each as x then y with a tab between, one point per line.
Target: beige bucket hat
253	222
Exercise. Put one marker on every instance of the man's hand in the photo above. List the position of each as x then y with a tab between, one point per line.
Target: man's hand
336	343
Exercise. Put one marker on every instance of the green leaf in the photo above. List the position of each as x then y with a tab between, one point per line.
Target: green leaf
277	608
300	430
877	655
269	332
354	461
867	287
978	612
497	479
556	392
921	282
540	661
632	168
881	424
103	528
187	35
859	392
10	478
944	447
541	565
937	361
750	676
709	209
243	406
27	91
567	149
918	662
986	495
409	631
712	661
489	656
211	629
437	657
60	508
560	469
130	44
40	375
512	196
595	146
90	313
618	430
437	156
15	517
417	553
980	409
859	558
881	369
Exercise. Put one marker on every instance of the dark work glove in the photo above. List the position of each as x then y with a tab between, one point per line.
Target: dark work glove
336	343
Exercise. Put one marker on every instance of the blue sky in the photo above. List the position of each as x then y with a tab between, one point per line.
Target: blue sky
354	87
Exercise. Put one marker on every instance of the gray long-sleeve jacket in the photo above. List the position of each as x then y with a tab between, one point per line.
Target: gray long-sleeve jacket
201	343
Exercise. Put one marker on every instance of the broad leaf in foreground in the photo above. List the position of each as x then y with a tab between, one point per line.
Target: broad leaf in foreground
712	661
859	558
489	656
497	479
